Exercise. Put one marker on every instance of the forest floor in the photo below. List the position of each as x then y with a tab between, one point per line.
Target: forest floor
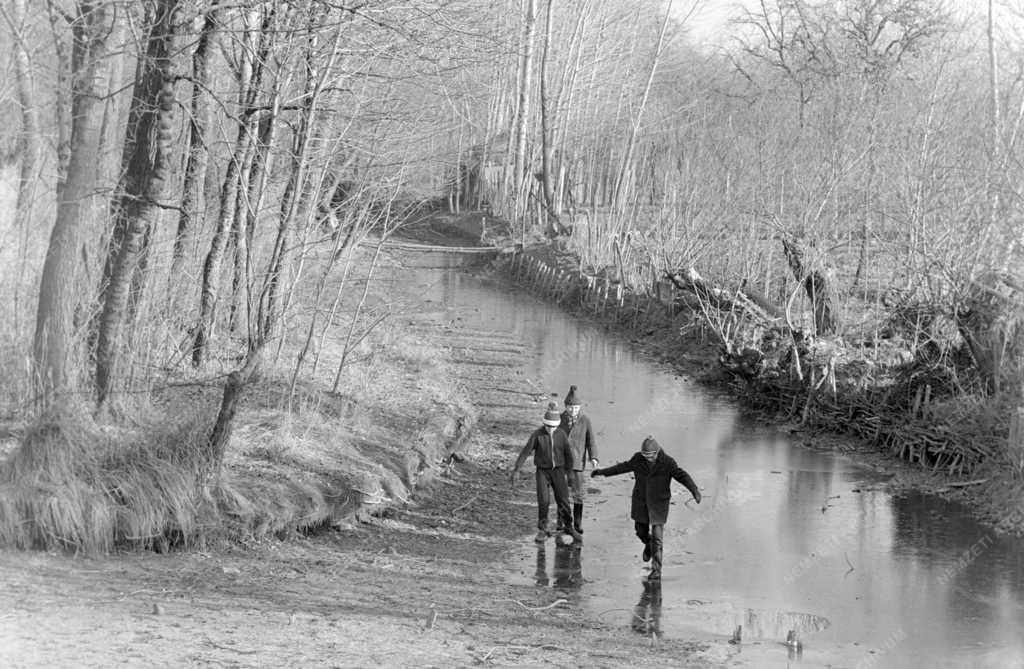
419	584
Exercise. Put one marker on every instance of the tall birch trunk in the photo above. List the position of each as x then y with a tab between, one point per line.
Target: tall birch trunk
620	194
147	165
250	84
547	150
198	157
521	180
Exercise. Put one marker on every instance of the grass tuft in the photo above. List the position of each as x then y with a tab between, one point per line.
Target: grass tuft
75	484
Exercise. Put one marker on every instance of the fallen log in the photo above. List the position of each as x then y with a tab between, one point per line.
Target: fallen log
964	484
719	298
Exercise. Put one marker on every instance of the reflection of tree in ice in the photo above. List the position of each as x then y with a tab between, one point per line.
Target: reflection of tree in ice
723	618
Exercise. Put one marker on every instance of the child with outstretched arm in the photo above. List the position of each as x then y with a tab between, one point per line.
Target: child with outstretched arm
653	470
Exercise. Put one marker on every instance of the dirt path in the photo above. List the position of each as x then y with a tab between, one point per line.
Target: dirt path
422	586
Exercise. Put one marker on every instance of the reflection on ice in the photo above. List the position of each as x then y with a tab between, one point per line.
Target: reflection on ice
647	613
759	623
566	572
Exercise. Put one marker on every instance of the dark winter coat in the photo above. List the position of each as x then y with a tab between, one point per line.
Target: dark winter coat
581	440
548	452
652	485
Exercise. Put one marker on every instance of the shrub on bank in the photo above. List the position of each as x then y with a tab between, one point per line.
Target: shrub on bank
920	394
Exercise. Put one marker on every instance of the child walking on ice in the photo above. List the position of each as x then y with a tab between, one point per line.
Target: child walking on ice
552	456
653	470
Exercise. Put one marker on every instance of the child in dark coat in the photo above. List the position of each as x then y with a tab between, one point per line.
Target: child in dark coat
653	471
552	456
584	449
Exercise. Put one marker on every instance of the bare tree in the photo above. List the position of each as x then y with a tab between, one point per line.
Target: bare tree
30	145
520	177
53	341
546	133
256	46
620	196
198	153
30	140
147	166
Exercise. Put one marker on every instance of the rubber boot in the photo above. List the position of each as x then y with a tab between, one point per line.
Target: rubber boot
542	525
577	516
567	524
656	543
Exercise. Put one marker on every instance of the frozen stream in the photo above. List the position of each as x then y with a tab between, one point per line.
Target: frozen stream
787	538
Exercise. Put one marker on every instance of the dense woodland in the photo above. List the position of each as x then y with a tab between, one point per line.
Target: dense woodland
179	178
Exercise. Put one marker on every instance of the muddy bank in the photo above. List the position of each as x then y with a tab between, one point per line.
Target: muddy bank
418	588
664	325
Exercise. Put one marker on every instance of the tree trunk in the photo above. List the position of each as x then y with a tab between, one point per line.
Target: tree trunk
819	284
520	178
1015	445
619	196
29	142
147	165
547	150
198	157
52	342
239	240
30	147
292	200
62	99
995	126
112	132
220	435
250	83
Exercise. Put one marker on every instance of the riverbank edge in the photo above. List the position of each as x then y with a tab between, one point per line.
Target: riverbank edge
674	336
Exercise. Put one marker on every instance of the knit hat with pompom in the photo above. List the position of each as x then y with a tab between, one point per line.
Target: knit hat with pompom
551	417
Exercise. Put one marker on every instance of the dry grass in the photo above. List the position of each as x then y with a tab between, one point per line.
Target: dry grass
133	479
134	475
78	484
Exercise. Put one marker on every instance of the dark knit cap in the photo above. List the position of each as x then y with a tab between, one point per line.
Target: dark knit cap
571	398
551	417
650	445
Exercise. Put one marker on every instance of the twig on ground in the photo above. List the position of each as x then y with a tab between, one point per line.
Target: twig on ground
850	564
236	650
504	645
610	611
536	609
463	506
510	646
